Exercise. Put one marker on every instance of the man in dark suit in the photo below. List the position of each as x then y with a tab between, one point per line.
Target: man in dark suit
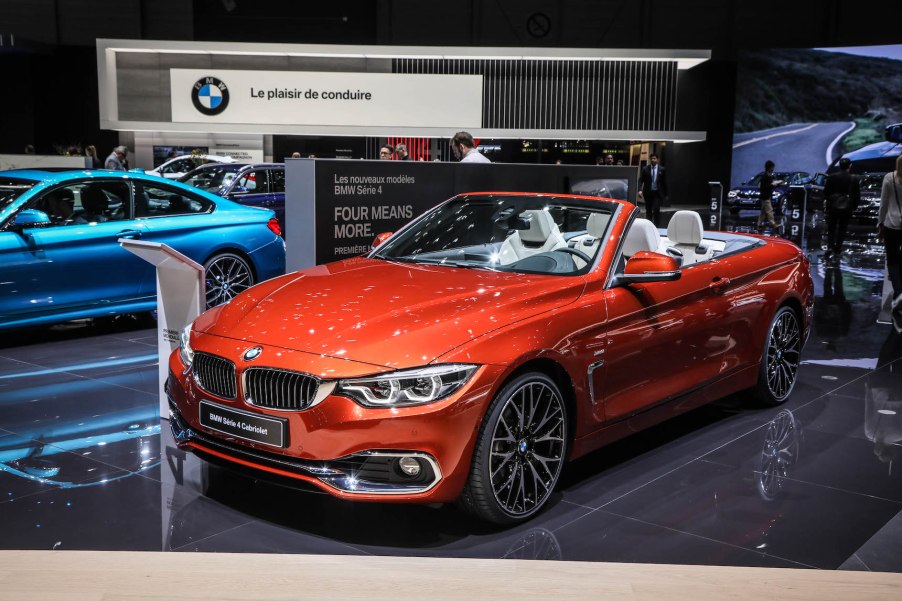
653	184
842	193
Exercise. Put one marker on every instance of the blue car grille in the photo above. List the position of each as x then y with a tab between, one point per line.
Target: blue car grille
215	375
279	389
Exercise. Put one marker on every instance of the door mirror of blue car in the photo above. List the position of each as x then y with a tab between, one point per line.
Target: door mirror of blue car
30	218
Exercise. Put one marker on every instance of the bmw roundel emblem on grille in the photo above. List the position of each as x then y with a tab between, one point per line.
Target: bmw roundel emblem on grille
210	95
252	353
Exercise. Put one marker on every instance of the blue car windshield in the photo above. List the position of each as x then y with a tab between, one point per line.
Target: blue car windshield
11	189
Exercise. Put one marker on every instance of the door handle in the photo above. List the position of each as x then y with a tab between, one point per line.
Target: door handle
719	284
129	234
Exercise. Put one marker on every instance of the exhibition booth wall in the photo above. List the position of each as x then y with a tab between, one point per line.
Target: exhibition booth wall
334	208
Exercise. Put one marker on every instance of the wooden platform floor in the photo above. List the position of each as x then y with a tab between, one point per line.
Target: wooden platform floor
140	576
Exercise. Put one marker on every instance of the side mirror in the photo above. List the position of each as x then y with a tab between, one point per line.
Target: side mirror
30	218
645	267
893	133
380	238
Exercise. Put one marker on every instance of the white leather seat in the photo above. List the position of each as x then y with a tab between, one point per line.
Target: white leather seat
642	235
686	231
543	235
596	226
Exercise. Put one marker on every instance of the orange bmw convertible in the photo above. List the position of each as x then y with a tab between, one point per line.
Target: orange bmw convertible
475	351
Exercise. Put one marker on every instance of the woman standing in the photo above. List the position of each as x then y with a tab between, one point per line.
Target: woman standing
889	228
92	161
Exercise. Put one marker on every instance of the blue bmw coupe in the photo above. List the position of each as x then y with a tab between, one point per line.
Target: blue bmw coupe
59	253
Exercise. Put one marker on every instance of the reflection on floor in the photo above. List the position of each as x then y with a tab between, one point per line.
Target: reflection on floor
84	464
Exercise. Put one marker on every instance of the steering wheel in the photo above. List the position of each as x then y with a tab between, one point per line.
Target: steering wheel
575	251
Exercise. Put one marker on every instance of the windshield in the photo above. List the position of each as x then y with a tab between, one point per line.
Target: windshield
210	178
783	176
523	234
11	189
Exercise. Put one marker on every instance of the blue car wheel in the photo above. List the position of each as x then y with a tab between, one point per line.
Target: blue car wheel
227	275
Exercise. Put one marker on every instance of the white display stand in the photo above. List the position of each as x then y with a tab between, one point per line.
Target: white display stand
181	296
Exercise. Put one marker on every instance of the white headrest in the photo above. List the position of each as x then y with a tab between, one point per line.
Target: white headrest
642	235
685	227
540	226
597	224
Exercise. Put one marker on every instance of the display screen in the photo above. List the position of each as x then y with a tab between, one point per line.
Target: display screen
804	109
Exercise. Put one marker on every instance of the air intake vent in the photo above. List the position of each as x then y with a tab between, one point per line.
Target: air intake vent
215	375
279	389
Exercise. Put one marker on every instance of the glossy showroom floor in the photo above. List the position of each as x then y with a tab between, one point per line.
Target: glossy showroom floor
815	483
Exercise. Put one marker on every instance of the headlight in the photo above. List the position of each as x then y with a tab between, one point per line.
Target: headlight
732	193
185	350
407	387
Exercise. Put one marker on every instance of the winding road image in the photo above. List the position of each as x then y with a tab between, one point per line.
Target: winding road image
807	147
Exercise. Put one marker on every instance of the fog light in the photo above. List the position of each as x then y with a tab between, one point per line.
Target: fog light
409	465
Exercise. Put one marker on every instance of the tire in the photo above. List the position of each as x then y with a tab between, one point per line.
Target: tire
520	451
780	359
226	275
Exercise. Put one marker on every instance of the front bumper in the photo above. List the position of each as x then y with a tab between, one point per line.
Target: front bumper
343	448
368	472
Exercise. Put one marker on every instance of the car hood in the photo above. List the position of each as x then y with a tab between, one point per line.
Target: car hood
388	314
876	150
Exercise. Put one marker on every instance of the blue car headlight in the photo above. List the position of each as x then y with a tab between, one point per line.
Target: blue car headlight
185	350
407	387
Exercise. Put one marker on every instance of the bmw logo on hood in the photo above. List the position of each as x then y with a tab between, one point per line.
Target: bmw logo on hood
252	353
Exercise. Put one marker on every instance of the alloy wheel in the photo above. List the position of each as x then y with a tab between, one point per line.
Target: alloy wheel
527	448
227	275
783	355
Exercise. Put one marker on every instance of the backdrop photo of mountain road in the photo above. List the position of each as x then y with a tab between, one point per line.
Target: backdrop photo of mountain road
804	108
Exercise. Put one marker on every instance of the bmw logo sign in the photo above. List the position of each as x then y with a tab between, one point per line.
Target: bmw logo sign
210	95
252	353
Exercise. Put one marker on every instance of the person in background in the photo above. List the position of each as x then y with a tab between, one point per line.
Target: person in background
295	155
29	149
889	229
608	159
386	152
92	161
464	148
653	188
401	152
841	197
118	159
766	191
